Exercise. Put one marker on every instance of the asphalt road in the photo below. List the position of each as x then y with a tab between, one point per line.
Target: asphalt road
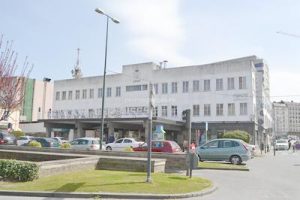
270	178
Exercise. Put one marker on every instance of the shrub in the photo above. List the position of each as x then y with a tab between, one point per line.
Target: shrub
128	149
18	170
34	143
237	134
65	146
18	134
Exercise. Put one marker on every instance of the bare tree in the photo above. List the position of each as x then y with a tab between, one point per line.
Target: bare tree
12	86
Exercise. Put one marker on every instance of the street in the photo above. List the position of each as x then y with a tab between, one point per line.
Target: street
270	178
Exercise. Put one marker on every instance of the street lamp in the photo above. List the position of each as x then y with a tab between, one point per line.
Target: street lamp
104	73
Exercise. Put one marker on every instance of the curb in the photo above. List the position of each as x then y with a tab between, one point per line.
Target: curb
109	195
226	169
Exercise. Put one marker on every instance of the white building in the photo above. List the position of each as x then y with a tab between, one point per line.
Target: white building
224	94
286	118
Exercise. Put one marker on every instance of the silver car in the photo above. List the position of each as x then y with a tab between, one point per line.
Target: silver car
232	150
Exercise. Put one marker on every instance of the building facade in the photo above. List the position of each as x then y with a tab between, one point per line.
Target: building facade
286	118
223	94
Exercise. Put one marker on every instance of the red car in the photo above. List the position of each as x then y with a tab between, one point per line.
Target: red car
167	146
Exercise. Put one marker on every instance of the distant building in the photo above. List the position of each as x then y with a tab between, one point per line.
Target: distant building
286	118
224	94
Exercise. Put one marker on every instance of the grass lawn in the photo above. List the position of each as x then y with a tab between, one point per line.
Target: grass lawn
112	181
221	165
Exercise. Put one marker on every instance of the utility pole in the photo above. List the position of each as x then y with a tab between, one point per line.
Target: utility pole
186	115
149	139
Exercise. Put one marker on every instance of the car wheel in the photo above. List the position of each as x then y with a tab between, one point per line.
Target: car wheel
108	148
236	160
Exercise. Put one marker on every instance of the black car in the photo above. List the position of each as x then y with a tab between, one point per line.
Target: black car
6	138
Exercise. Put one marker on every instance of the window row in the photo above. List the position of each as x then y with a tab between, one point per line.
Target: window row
231	110
196	85
85	94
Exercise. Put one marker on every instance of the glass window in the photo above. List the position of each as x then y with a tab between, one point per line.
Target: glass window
185	86
231	109
196	86
108	92
174	111
230	83
155	86
155	111
70	95
91	93
164	111
118	91
174	87
77	94
243	108
84	95
206	109
64	95
100	92
164	88
206	85
57	96
219	109
219	84
213	144
119	141
127	141
242	82
196	110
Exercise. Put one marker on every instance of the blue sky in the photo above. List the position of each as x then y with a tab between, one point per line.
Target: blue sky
184	32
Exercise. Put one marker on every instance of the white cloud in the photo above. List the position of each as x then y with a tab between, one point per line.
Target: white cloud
155	28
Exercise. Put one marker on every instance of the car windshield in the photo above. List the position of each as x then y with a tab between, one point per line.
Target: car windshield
281	141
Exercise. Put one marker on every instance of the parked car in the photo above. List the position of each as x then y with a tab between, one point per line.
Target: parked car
86	143
24	140
6	138
167	146
297	145
282	144
122	144
60	140
232	150
46	142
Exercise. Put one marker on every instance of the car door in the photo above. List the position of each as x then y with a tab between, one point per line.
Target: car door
126	144
209	151
117	145
225	149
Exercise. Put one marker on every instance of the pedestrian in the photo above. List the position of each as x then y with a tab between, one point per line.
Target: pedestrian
185	145
262	147
289	144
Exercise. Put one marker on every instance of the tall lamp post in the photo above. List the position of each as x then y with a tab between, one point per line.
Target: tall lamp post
104	73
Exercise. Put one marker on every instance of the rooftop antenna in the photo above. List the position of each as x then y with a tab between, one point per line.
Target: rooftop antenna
76	72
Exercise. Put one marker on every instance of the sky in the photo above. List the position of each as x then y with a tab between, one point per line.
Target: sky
183	32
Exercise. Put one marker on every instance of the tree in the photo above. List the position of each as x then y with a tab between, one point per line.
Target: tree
237	134
12	86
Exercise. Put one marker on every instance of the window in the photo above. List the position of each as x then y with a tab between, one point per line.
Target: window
174	87
231	109
77	94
132	88
230	83
185	86
100	92
164	111
64	95
206	85
164	88
242	82
206	109
127	141
243	108
91	93
155	111
70	95
108	92
155	86
196	110
118	91
213	144
84	95
196	86
219	109
219	84
57	96
174	111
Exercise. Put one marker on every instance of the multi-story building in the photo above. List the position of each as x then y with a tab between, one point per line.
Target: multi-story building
286	118
224	94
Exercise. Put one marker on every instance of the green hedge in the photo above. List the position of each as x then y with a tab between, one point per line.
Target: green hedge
14	170
18	134
34	143
237	134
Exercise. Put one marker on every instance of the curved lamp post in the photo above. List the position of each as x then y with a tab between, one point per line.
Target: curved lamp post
104	73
